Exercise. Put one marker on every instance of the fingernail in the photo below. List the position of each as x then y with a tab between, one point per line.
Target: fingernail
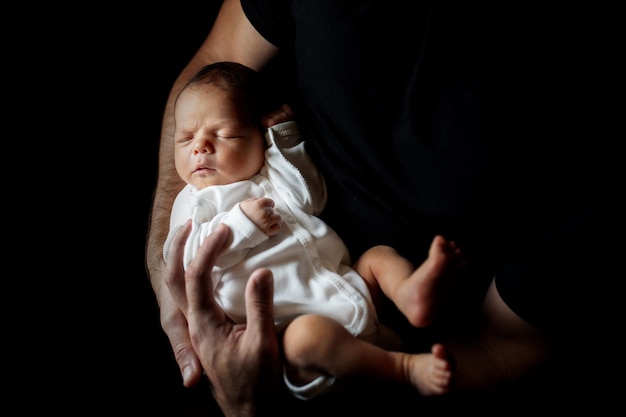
187	373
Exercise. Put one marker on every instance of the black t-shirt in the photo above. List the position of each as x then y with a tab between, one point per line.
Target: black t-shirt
453	119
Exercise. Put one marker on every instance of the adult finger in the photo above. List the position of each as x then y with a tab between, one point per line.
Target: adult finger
175	327
283	114
198	281
174	272
172	305
259	306
260	340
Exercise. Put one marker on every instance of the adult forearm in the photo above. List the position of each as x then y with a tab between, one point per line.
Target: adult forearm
168	184
159	226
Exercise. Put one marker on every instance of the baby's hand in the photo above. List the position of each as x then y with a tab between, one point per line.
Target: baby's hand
261	212
283	114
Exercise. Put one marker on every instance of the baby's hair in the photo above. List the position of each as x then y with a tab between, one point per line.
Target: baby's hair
226	75
237	79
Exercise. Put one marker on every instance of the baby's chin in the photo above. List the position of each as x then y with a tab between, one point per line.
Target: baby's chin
204	178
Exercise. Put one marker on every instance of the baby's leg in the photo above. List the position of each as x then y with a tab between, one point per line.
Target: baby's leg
416	292
315	345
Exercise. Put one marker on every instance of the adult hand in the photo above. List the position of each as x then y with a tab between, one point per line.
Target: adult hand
241	360
283	114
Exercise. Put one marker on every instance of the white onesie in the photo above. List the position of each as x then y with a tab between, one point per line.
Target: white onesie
310	263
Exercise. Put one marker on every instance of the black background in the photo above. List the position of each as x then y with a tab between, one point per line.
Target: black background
91	87
116	76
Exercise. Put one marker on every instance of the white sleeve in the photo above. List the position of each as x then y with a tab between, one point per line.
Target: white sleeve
292	169
245	236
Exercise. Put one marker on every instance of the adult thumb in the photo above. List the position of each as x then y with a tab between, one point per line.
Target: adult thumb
260	302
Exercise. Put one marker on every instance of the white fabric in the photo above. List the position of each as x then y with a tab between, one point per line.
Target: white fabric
306	392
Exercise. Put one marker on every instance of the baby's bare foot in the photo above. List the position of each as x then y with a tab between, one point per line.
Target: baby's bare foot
424	290
431	372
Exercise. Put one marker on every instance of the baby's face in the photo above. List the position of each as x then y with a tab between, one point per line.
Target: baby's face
215	142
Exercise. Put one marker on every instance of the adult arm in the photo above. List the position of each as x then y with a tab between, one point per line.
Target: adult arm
232	38
503	351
